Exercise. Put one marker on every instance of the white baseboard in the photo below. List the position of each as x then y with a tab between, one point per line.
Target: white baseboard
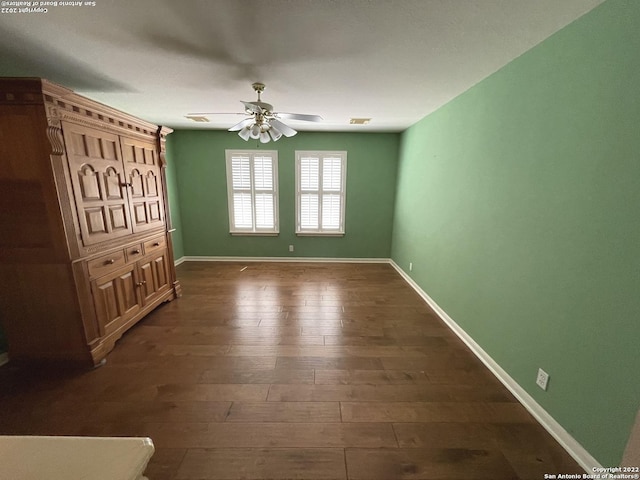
4	358
282	259
570	444
179	261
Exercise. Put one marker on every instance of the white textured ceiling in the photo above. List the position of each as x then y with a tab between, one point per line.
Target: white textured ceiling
392	60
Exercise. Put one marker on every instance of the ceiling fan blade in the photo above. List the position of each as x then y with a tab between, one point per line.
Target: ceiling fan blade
299	116
252	107
239	126
215	113
286	130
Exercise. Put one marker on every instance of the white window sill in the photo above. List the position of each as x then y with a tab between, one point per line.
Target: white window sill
320	234
255	234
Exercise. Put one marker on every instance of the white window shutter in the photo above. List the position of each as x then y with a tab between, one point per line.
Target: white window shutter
242	210
309	173
309	205
252	187
320	190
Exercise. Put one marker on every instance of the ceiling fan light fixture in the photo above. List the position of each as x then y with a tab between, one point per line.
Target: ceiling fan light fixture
255	131
275	134
245	133
264	137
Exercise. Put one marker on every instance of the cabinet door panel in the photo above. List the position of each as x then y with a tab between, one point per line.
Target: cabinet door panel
142	169
148	287
97	176
160	271
106	303
116	298
154	276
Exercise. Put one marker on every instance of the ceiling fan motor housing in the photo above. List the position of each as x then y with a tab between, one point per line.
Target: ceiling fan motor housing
267	108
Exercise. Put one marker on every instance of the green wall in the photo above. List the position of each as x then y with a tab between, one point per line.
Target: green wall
517	203
174	202
199	159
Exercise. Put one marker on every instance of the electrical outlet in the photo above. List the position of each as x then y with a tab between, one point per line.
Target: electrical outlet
543	379
410	266
291	248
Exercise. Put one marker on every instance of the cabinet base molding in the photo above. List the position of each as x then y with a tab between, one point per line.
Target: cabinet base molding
99	353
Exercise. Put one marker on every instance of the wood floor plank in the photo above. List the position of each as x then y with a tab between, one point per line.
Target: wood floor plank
204	319
177	392
369	377
332	363
315	351
192	350
531	452
351	330
474	412
296	321
159	411
261	376
428	464
197	364
388	393
431	363
164	463
297	412
271	435
194	335
263	464
447	435
424	341
453	376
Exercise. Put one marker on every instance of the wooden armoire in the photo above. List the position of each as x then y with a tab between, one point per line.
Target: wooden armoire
85	242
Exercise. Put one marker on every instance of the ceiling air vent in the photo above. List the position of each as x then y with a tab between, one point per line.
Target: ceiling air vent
359	121
196	118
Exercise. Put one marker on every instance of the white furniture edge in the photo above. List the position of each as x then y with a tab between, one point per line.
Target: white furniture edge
72	457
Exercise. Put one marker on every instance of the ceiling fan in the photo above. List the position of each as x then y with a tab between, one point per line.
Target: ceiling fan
263	123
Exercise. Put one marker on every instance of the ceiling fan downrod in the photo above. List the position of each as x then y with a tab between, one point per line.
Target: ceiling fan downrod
259	88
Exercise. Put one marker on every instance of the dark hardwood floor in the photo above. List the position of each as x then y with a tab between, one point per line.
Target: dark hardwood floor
293	371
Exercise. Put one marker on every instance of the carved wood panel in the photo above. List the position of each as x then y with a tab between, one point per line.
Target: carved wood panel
116	298
98	178
142	168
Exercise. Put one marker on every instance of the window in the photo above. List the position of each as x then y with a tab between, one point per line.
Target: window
320	192
252	186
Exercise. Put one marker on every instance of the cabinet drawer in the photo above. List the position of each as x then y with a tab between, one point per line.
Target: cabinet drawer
106	263
134	252
154	244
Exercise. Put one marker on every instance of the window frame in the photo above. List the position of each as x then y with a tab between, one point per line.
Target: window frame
321	154
252	154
